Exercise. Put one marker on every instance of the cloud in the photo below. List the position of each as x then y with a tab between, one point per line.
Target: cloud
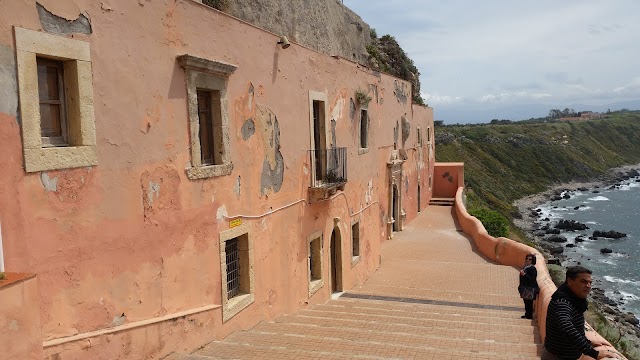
492	52
510	96
434	99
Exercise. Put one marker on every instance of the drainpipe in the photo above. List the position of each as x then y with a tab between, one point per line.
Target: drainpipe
1	253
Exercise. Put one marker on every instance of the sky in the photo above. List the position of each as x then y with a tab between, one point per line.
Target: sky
487	59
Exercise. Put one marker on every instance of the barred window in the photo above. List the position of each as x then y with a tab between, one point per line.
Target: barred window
233	268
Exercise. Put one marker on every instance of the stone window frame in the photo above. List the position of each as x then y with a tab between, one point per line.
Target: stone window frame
315	285
231	307
204	74
365	150
419	134
355	259
76	58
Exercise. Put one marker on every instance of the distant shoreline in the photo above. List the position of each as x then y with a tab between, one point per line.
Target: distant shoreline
526	204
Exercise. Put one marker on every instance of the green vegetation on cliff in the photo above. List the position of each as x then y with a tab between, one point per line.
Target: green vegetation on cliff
506	162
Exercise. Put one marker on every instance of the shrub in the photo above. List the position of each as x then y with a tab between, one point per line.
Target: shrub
2	276
495	224
222	5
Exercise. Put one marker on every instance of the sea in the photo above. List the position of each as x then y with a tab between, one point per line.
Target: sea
605	208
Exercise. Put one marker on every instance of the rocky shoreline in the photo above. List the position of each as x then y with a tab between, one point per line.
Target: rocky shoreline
548	241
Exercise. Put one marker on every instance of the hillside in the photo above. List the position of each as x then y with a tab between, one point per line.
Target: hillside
506	162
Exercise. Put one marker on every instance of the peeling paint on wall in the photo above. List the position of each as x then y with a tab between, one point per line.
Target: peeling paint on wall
368	195
400	91
272	171
248	129
406	130
49	183
333	133
8	79
153	190
338	106
161	192
59	25
236	187
221	213
395	135
373	88
352	109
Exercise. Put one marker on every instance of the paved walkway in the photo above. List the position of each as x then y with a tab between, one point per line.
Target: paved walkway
432	298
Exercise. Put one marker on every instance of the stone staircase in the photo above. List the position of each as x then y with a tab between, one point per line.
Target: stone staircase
433	297
380	328
442	201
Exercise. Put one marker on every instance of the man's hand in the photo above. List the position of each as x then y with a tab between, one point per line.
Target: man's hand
607	354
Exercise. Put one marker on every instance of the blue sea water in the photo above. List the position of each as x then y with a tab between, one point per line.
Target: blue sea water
618	273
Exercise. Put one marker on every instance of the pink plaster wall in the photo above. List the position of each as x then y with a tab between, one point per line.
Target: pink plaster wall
20	335
447	178
104	243
512	253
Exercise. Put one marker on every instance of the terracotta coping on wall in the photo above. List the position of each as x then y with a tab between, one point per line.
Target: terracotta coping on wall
13	278
508	252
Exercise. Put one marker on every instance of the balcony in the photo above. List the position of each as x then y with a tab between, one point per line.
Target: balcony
328	172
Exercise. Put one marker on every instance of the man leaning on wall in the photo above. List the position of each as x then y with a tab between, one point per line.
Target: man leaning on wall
566	339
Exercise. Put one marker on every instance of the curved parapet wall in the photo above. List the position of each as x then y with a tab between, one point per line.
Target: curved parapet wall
508	252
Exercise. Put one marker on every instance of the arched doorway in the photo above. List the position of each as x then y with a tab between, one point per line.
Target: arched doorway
336	260
395	209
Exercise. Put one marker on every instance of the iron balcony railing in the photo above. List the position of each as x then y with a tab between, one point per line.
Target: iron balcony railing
329	167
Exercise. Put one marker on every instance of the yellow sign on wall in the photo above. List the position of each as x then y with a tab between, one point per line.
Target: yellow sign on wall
235	222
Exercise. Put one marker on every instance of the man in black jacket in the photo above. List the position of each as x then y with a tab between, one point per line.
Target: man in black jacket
565	338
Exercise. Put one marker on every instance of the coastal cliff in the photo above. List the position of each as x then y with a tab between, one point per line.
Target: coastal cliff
506	162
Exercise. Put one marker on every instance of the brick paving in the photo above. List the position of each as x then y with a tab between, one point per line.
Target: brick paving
432	298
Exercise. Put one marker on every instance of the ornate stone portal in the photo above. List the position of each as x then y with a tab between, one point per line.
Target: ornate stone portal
396	215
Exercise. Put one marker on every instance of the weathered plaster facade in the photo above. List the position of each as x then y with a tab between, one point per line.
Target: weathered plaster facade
126	242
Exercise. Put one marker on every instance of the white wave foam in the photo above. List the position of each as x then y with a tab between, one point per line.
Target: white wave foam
599	198
629	296
608	262
584	208
591	223
616	280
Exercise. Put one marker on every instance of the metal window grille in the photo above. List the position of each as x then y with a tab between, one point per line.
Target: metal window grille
311	264
233	268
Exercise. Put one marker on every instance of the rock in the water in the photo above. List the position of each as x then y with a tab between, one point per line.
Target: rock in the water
556	250
566	196
579	239
553	231
631	319
596	192
570	225
609	234
554	261
606	251
557	239
570	245
583	189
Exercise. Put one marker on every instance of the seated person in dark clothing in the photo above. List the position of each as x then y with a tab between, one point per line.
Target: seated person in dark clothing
565	338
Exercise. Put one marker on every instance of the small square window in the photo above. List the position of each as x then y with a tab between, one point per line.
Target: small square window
237	271
56	101
315	267
355	239
208	116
